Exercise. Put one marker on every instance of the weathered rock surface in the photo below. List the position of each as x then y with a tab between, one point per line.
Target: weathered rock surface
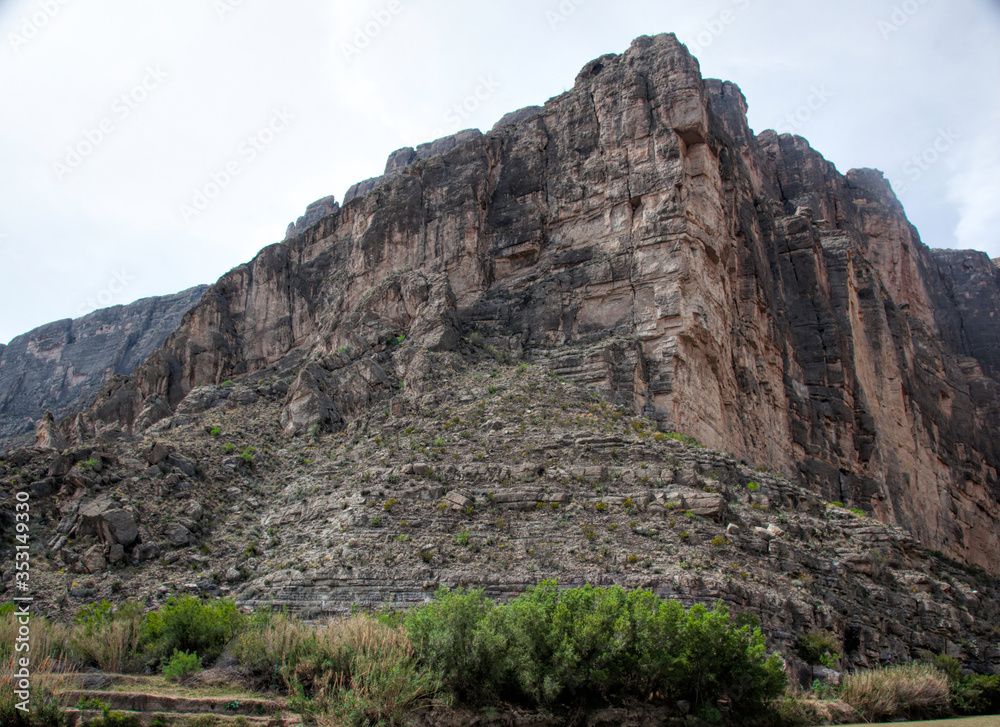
402	158
61	366
314	213
495	474
636	235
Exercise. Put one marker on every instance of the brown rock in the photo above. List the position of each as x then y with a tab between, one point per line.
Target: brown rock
47	435
93	560
636	235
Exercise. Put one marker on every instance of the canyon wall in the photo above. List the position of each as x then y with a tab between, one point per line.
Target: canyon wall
61	366
637	235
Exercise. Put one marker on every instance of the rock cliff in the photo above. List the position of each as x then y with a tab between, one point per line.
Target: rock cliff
61	366
636	236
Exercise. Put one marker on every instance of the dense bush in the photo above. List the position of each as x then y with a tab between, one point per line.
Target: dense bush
970	694
588	644
913	691
977	694
181	664
109	637
191	625
354	671
445	631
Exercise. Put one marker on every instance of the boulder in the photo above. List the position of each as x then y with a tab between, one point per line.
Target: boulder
104	518
182	463
177	535
307	406
47	435
157	453
93	560
118	526
459	499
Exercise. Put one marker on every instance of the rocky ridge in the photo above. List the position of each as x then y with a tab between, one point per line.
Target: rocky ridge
639	237
61	366
486	471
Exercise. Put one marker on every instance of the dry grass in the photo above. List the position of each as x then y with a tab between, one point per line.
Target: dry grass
112	645
355	670
49	676
48	640
912	691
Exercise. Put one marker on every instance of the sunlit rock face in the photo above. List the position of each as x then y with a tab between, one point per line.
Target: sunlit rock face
639	237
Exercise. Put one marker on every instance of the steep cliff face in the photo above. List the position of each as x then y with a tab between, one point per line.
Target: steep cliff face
639	237
61	366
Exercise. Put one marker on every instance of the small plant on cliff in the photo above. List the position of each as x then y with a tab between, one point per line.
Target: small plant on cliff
818	647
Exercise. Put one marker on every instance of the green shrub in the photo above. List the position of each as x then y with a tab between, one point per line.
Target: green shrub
181	665
191	625
976	694
818	647
444	633
594	645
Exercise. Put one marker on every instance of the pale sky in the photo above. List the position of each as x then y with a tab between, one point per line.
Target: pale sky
115	113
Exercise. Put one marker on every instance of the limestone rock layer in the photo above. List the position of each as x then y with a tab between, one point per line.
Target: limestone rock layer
635	233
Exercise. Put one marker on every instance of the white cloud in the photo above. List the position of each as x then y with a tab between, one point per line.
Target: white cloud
975	191
120	208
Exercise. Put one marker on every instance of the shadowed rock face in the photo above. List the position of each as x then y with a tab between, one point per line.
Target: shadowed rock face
61	366
637	235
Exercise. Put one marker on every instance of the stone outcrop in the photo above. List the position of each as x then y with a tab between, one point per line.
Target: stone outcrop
402	158
61	366
639	237
314	213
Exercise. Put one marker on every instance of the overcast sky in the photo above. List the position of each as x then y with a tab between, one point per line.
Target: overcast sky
117	113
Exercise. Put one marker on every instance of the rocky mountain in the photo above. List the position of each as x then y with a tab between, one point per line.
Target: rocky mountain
619	339
61	366
639	237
